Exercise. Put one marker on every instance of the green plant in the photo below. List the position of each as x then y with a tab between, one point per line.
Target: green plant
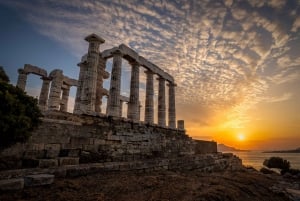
277	162
19	113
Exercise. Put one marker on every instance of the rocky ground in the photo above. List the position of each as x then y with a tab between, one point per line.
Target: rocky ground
162	185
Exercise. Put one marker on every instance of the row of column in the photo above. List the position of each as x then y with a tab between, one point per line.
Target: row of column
113	105
54	102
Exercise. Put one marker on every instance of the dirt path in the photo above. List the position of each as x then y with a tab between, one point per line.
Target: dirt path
163	186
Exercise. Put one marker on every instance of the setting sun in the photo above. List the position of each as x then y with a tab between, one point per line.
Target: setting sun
241	137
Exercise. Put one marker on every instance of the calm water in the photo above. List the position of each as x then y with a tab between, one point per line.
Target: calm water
256	158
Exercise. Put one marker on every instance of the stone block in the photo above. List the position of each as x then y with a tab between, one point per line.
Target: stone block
11	184
30	163
80	140
32	154
38	180
99	141
35	146
68	161
46	163
50	153
76	171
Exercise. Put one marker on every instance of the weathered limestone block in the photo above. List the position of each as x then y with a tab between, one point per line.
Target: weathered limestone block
11	184
52	150
80	140
46	163
68	161
76	171
38	180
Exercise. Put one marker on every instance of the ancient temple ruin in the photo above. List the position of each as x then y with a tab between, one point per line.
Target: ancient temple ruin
88	141
90	85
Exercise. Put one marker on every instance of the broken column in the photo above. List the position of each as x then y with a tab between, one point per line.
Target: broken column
161	102
88	93
43	99
21	83
172	107
133	104
149	97
55	90
113	106
180	124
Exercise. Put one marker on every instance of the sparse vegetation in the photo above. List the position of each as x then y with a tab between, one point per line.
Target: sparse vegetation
280	163
19	113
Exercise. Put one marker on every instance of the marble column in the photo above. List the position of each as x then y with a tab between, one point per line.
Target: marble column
161	102
102	74
43	99
172	107
133	104
88	94
21	83
115	85
55	90
65	98
77	106
180	124
149	118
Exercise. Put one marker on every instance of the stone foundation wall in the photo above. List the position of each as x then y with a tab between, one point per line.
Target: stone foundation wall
66	139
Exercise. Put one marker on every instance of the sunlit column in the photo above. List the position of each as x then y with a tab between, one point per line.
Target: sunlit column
172	107
77	106
55	90
149	97
43	99
161	102
133	105
65	98
21	83
115	85
88	95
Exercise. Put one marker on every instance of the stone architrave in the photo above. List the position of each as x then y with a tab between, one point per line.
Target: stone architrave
21	83
43	99
55	90
65	98
113	106
88	93
133	104
161	102
172	107
77	105
149	118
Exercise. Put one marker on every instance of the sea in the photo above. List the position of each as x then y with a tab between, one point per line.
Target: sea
256	158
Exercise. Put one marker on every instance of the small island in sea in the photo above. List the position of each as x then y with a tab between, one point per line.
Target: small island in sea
297	150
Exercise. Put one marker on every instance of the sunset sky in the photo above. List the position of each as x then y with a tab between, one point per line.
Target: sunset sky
236	62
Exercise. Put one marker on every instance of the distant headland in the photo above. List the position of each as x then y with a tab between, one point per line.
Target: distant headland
225	148
297	150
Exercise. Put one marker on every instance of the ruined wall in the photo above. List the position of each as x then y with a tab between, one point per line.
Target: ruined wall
71	139
202	147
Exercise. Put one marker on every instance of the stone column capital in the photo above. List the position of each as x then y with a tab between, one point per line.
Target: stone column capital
117	53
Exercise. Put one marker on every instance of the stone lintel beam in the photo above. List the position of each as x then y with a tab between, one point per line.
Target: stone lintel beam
70	81
130	55
106	54
35	70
